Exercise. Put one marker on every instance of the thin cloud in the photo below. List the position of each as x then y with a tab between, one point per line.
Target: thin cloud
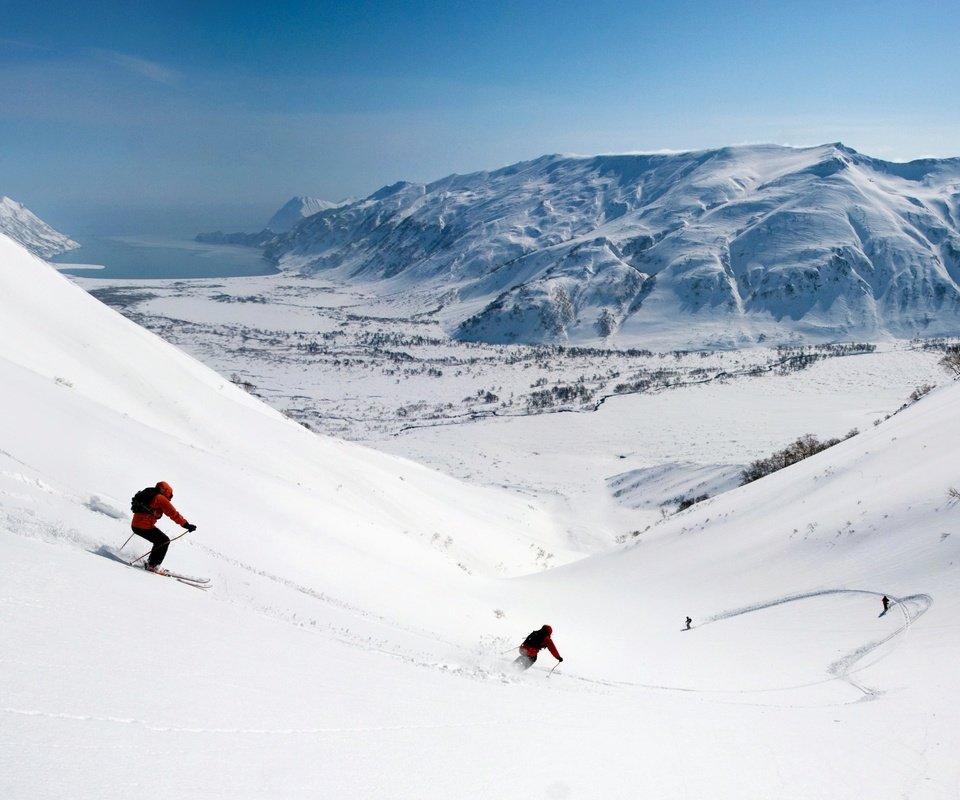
140	66
18	44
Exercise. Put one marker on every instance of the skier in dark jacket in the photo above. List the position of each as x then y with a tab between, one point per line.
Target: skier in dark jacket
532	646
886	603
145	524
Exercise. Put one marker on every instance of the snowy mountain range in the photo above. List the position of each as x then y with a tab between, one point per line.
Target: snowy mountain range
25	227
714	248
364	610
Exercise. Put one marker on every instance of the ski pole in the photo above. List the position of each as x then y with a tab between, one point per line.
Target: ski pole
554	667
128	540
131	563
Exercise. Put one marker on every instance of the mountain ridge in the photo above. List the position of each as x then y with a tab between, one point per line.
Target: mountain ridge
23	226
722	247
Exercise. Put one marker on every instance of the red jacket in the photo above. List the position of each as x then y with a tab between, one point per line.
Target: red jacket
160	505
532	651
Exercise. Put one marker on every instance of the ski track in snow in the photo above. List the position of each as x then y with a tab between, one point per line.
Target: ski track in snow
911	608
343	635
842	669
150	726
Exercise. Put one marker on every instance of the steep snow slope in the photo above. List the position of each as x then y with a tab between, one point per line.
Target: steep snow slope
342	654
721	247
25	227
167	411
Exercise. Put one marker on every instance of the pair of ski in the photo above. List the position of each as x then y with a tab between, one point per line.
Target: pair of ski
190	580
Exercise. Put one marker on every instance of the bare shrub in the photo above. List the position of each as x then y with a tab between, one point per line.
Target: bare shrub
951	360
686	502
804	447
920	391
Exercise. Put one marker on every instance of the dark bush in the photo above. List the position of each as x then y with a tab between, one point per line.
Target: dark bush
686	502
804	447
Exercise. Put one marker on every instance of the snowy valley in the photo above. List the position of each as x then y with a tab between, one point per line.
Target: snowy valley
364	609
603	433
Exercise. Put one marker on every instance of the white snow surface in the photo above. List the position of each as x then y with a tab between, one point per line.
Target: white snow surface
23	226
364	610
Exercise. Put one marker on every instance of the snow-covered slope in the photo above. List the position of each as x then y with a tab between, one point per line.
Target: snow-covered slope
720	247
25	227
357	637
155	410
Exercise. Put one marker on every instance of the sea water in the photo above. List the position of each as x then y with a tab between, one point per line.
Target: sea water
153	257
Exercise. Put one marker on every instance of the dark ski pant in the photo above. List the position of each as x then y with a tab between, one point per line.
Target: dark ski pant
160	542
523	661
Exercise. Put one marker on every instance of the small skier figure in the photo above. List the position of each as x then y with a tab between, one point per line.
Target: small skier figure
144	523
886	603
689	623
532	646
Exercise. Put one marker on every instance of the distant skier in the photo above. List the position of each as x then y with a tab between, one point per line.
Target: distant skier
886	603
689	623
148	506
532	646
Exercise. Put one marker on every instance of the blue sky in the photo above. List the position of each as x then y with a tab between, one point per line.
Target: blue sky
222	111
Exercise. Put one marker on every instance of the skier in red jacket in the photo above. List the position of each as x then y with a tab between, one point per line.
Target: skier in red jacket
532	646
144	524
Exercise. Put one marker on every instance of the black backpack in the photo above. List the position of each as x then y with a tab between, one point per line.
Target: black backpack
536	639
140	502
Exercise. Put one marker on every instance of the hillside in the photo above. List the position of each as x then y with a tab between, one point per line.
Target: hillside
718	248
23	226
364	610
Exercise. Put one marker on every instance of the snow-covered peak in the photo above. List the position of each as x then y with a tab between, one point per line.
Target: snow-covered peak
295	210
25	227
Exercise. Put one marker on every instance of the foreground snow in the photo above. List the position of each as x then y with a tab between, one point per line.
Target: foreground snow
353	642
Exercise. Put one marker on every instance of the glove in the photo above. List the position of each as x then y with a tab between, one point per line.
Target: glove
190	528
560	660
